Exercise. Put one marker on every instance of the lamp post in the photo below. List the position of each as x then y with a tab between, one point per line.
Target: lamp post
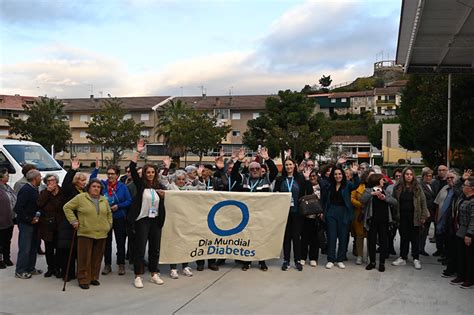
295	135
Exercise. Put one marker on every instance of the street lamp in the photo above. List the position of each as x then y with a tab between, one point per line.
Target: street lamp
295	135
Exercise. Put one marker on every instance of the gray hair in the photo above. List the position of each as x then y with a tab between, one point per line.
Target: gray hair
426	171
45	179
456	175
32	174
177	174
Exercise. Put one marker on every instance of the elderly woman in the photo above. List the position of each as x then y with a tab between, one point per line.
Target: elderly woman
177	181
7	203
90	215
50	202
311	228
73	184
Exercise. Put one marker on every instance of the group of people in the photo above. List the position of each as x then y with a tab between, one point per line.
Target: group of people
76	219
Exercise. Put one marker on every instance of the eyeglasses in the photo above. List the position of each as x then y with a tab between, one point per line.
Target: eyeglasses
254	168
111	174
450	177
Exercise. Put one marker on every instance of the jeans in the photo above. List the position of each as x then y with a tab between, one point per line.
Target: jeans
293	229
337	230
147	231
28	242
119	229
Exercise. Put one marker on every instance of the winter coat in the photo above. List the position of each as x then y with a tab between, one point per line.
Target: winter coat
366	200
358	222
52	213
243	180
93	223
466	218
6	218
26	207
419	203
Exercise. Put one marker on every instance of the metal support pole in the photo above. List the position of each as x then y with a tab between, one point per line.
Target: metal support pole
448	145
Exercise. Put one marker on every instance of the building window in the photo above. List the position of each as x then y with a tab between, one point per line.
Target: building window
235	116
145	117
83	134
3	132
127	116
222	113
362	109
255	115
145	133
84	118
343	100
333	100
235	133
389	138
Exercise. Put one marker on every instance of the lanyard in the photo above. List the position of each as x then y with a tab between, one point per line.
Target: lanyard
152	197
290	186
208	185
252	187
231	186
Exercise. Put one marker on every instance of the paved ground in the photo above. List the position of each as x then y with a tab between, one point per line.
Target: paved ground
400	290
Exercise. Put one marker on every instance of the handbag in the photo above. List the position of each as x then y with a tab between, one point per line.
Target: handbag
310	205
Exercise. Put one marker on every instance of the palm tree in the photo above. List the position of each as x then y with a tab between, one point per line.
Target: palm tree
173	127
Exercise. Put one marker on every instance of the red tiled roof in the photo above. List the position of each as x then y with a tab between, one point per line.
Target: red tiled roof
14	102
387	90
235	102
130	103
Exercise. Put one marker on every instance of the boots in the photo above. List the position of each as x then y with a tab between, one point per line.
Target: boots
121	270
107	269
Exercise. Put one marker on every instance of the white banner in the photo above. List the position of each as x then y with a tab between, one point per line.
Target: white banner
209	224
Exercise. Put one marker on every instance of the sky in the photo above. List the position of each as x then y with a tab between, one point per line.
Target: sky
69	48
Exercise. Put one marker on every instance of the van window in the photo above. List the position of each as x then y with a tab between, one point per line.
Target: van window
32	154
5	163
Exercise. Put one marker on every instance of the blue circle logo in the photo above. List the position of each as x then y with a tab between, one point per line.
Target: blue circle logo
212	215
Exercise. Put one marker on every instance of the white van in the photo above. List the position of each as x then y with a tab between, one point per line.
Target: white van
16	153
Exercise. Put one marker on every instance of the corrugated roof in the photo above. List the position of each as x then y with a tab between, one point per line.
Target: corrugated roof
349	139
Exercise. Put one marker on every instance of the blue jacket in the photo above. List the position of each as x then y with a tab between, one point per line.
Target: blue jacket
25	207
120	197
346	195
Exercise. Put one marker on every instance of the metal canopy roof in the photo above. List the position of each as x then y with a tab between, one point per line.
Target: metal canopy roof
436	36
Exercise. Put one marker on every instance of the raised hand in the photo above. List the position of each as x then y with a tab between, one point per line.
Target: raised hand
264	153
354	167
341	161
221	152
75	164
97	162
140	145
467	173
219	162
306	172
167	162
241	155
234	155
200	169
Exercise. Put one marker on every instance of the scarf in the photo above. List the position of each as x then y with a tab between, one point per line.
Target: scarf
111	188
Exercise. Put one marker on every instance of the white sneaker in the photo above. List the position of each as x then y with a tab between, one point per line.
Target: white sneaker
399	262
329	265
187	271
174	274
417	264
313	263
156	279
341	265
302	262
359	260
138	283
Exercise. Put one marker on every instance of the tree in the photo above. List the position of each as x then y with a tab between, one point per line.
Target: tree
204	133
46	124
423	117
325	82
289	122
109	130
374	132
174	126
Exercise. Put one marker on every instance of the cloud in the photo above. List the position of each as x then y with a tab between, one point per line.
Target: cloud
334	38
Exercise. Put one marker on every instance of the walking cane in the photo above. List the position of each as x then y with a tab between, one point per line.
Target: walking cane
69	260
